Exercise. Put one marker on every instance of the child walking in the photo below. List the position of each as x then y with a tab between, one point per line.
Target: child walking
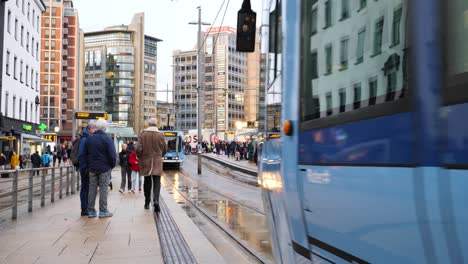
135	167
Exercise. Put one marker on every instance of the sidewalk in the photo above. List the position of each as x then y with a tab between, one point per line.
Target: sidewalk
58	234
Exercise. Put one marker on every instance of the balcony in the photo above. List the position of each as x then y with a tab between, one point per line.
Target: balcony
65	31
64	74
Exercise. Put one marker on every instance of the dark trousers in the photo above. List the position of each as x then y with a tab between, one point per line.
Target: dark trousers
126	175
84	189
154	182
36	166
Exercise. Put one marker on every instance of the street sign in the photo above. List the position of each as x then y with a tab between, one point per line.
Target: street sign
91	115
42	126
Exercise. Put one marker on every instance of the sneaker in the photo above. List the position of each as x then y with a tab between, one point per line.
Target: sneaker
129	191
91	214
121	191
84	212
133	190
146	206
140	189
157	208
105	214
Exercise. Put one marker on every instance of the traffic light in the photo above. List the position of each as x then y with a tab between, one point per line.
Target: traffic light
246	26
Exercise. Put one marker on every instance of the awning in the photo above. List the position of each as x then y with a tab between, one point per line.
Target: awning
35	139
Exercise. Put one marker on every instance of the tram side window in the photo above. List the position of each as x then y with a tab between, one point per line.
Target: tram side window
354	63
456	57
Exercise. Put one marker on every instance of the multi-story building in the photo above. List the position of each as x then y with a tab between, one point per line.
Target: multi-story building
59	66
355	55
165	115
19	77
224	85
252	91
115	72
150	78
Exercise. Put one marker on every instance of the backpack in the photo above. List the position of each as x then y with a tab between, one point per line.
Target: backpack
74	152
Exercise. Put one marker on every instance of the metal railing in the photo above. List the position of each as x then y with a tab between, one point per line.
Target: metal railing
23	186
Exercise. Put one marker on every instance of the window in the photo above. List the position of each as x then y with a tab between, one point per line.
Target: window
396	27
32	78
46	43
328	59
37	51
342	94
344	54
313	62
27	42
22	35
27	75
31	111
360	46
9	21
47	21
344	9
314	18
37	79
54	21
46	55
15	60
362	4
52	66
21	71
7	64
33	17
14	105
53	33
52	43
329	103
29	9
356	95
54	10
32	47
378	34
47	32
37	23
26	111
391	85
16	28
328	13
372	91
22	6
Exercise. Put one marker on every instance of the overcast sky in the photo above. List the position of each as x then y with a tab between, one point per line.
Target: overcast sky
165	19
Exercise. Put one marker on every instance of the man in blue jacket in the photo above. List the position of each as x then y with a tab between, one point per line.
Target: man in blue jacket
89	129
100	159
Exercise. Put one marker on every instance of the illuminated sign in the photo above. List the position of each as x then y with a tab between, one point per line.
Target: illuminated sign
274	136
42	127
27	127
88	115
51	137
170	134
229	132
7	138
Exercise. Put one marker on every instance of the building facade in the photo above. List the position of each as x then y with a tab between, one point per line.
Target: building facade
356	55
59	67
165	115
120	74
19	85
223	88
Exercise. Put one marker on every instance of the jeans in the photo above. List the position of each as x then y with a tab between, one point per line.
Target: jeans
84	189
101	179
135	176
154	182
126	174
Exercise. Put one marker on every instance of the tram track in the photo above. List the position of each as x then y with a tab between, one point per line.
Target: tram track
229	233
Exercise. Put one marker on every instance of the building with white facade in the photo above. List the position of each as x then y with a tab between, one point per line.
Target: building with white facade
356	53
19	89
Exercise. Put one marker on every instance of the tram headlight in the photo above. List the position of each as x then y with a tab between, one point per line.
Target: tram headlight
176	158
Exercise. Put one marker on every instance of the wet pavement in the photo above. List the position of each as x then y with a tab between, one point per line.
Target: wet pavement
247	224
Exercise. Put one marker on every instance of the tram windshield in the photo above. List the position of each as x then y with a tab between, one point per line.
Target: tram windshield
171	143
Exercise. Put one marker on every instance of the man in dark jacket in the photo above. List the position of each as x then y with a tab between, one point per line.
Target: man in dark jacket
36	162
150	150
83	166
100	159
125	170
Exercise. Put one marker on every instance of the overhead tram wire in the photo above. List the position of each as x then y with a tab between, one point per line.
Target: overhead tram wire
214	21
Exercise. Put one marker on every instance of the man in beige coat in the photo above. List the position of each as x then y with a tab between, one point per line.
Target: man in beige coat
150	150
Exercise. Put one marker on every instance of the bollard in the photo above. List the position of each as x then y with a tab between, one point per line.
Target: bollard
43	188
61	183
72	185
30	191
52	187
68	183
14	209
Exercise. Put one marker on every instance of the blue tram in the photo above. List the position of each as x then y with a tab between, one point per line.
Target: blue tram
174	143
371	97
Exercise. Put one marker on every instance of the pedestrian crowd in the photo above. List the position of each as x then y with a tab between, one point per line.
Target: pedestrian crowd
238	150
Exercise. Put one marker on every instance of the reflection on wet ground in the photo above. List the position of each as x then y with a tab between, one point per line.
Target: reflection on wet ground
246	224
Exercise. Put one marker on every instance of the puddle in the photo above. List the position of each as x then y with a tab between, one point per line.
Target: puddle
246	224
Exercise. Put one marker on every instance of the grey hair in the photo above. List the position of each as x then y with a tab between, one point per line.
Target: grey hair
101	124
152	121
91	124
